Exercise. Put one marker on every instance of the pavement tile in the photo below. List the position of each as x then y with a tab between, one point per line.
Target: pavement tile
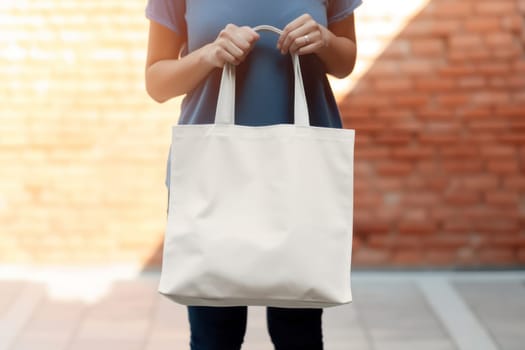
500	308
397	313
389	312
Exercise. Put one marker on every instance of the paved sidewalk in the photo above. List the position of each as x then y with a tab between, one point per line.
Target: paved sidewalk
74	309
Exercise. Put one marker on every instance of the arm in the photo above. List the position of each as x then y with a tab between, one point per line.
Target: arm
168	75
335	45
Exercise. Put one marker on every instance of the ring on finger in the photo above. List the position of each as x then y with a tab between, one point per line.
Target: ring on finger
306	39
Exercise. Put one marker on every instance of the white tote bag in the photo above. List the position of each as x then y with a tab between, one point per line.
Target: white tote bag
259	215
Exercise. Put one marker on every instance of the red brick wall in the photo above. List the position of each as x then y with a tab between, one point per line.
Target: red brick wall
440	122
437	101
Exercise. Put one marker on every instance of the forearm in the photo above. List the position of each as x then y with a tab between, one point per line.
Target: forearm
338	54
170	78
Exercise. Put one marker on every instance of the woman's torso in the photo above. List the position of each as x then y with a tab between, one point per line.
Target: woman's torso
264	79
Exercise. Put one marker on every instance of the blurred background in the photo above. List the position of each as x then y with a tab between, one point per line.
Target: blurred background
437	100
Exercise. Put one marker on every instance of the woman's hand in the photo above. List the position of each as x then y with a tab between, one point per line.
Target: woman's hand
231	46
335	45
302	36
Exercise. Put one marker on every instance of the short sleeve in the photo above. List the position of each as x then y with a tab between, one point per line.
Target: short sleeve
169	13
339	9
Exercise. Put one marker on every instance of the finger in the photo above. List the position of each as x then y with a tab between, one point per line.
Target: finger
228	46
242	39
290	27
250	35
313	38
225	57
297	36
309	48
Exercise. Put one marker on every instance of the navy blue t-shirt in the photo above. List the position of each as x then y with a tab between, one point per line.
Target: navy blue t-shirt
264	86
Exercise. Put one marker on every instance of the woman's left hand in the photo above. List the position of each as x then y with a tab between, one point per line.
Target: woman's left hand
302	36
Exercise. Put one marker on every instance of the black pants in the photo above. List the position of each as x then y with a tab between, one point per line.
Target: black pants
223	328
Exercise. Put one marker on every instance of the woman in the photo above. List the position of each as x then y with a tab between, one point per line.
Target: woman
189	43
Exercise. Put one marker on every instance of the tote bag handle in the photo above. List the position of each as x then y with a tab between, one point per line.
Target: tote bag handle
225	112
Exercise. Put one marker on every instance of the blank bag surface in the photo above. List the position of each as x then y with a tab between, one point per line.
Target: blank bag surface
259	215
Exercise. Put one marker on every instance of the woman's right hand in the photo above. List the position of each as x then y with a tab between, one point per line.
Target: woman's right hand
231	46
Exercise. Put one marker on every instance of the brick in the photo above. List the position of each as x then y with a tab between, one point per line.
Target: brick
467	258
367	126
428	167
476	113
491	98
496	225
354	113
507	241
460	151
371	227
440	257
435	114
447	241
519	97
494	68
502	166
393	85
499	39
393	139
406	126
498	151
510	110
428	47
391	113
457	70
512	138
407	257
463	166
448	9
389	184
420	199
454	226
453	99
388	242
415	182
411	153
501	198
462	197
481	24
368	101
370	257
497	256
492	8
466	41
388	168
481	182
496	126
397	49
516	82
514	182
436	139
416	227
520	256
362	141
370	200
513	22
472	82
434	84
437	183
418	29
473	54
444	27
411	100
372	153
